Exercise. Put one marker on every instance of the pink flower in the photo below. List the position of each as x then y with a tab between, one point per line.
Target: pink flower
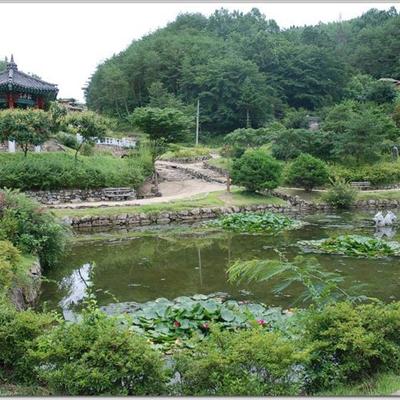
261	322
177	324
205	325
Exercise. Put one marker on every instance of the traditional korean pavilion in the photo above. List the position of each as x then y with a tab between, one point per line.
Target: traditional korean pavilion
21	90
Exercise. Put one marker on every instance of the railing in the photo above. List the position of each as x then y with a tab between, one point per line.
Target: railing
124	142
110	141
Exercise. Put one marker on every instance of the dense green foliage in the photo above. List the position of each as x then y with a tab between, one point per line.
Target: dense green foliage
256	171
340	194
18	330
245	69
307	172
98	355
248	363
50	171
253	222
27	127
10	258
376	174
353	245
351	342
25	224
168	123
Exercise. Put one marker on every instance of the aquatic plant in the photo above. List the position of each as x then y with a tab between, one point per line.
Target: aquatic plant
352	245
186	320
320	287
256	222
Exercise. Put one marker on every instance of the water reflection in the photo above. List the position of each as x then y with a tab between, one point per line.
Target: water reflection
76	284
385	231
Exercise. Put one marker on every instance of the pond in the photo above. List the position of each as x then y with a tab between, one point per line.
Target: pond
175	261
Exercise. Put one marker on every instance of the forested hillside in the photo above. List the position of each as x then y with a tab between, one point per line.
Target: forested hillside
245	70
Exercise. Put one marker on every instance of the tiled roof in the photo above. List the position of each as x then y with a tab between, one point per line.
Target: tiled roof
13	80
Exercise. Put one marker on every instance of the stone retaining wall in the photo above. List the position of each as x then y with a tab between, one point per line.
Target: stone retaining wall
69	196
166	217
188	160
219	170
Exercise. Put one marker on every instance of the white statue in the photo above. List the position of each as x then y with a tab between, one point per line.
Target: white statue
380	220
390	218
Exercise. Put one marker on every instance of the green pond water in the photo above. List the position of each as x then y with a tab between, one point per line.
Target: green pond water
138	266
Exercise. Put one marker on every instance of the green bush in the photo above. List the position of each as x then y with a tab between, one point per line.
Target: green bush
351	342
245	363
340	194
378	174
52	171
307	172
256	171
30	228
177	152
17	333
98	356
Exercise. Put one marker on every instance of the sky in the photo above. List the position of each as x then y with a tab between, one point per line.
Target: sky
63	43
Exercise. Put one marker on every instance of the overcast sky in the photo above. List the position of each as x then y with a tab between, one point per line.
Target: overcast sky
63	43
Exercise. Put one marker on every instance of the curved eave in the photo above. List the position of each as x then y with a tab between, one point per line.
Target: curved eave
9	88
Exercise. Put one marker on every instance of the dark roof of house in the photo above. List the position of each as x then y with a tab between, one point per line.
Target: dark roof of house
12	80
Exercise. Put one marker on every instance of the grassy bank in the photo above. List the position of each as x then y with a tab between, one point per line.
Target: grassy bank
316	196
214	199
380	385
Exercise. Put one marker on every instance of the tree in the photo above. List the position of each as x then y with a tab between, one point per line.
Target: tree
307	171
27	127
359	131
168	123
290	143
89	125
57	113
381	92
256	171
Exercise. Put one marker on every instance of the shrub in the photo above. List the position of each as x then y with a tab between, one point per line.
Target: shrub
340	194
30	228
248	137
177	152
245	363
98	356
256	171
307	171
17	333
378	174
52	171
351	342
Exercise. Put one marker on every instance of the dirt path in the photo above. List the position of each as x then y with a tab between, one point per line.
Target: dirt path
178	181
171	190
